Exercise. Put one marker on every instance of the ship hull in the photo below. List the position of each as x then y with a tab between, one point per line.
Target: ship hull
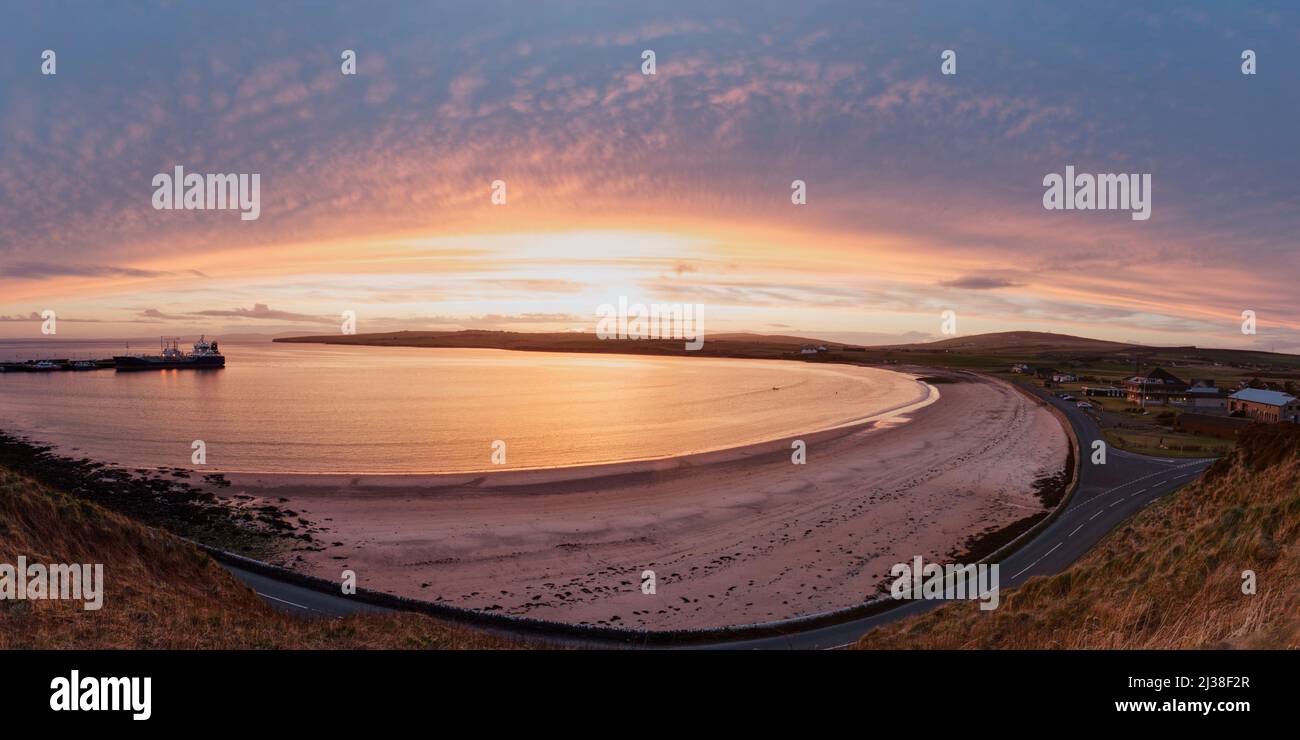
149	363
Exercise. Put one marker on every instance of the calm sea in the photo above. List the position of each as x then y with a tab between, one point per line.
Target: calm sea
323	409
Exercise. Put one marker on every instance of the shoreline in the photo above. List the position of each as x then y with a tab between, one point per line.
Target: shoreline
586	471
736	536
734	539
905	390
181	501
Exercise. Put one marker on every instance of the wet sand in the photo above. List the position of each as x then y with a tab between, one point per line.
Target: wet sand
733	537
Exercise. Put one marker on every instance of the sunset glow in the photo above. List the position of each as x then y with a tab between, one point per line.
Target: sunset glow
923	191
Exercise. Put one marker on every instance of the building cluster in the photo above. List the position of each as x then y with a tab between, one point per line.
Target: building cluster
1046	373
1159	387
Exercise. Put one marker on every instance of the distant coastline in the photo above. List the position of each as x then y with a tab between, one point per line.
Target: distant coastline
743	346
977	351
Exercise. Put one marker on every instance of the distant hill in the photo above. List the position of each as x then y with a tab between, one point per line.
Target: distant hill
723	345
1171	577
1029	341
741	336
985	352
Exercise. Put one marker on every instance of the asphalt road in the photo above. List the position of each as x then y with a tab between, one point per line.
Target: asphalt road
300	600
1107	495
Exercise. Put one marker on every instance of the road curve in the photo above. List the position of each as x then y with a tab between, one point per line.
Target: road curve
1106	496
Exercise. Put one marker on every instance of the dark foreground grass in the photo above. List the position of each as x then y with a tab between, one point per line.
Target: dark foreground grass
161	592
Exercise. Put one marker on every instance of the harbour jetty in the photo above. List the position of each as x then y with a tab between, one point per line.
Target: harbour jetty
55	365
205	354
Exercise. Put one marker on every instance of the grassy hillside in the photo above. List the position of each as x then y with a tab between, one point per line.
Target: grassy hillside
161	592
1020	342
1171	577
987	352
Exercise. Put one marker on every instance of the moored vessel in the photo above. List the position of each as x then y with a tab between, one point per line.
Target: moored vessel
204	355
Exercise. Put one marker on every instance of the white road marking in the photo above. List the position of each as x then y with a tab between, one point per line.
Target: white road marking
1076	529
282	601
1129	483
1036	562
1090	499
1099	513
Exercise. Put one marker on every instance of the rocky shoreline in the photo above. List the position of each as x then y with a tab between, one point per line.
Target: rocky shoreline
184	502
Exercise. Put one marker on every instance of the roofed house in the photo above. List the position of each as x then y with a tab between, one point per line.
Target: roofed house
1155	386
1262	405
1205	395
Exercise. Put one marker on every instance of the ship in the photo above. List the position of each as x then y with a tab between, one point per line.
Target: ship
205	355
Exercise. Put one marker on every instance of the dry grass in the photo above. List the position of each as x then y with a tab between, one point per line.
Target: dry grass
161	592
1171	577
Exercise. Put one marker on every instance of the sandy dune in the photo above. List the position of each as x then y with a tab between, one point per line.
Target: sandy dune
737	538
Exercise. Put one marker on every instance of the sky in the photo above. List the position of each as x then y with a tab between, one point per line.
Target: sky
924	190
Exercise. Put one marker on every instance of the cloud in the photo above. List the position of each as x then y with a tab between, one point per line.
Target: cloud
33	270
980	282
153	313
537	285
36	317
487	320
261	311
940	173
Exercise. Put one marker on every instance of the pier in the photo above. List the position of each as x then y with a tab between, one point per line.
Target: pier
56	365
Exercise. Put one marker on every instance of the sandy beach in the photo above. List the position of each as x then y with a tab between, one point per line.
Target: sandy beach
735	537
